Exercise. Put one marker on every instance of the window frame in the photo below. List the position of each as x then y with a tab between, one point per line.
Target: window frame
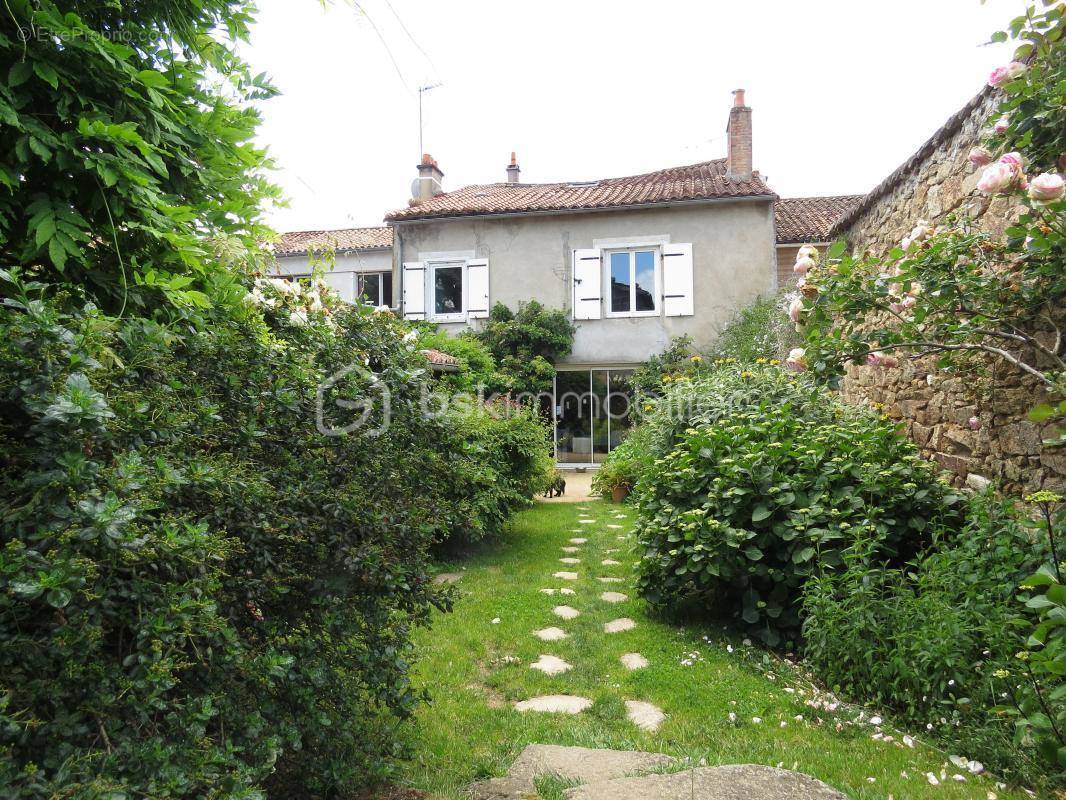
657	256
431	291
358	295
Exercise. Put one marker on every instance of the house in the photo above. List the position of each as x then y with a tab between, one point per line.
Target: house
362	261
636	261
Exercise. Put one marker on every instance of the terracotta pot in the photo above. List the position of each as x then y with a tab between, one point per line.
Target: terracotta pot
619	493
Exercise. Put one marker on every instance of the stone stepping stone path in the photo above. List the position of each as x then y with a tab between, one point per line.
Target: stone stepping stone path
572	764
614	597
578	541
611	580
633	661
554	704
733	782
547	591
566	590
447	578
615	527
551	634
586	522
619	625
570	549
645	716
565	576
570	560
551	665
566	612
610	562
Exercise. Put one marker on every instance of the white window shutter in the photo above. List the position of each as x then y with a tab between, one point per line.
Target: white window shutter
677	280
588	266
414	290
477	288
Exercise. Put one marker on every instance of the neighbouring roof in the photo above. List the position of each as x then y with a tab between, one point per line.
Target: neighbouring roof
810	219
298	243
945	132
441	362
705	181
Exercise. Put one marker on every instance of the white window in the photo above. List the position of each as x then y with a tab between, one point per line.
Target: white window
633	281
447	291
374	288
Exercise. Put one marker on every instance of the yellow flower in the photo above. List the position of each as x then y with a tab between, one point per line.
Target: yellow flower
775	362
760	361
747	374
697	359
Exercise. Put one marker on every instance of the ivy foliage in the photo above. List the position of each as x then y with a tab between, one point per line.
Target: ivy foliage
127	166
526	344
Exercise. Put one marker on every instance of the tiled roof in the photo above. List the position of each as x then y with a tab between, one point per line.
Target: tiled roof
945	132
704	181
810	219
297	243
441	361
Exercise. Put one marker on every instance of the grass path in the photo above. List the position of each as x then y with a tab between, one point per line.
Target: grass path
476	670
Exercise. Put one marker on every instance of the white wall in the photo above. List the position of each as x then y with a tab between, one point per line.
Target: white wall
342	276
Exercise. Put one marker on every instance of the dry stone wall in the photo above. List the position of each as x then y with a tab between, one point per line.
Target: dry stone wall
977	431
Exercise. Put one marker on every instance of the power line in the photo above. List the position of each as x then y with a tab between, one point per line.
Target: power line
411	37
384	44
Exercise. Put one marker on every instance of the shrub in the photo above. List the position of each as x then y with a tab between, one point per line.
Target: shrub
625	464
766	483
527	343
477	367
198	588
762	330
927	640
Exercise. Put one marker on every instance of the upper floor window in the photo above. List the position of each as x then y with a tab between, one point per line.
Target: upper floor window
374	288
633	279
448	291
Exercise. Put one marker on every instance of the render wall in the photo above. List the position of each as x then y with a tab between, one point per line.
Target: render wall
530	258
934	405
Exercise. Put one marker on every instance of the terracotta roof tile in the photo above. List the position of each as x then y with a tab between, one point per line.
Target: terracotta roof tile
297	243
704	181
439	360
810	219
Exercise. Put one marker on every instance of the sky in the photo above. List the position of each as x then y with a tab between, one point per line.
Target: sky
842	91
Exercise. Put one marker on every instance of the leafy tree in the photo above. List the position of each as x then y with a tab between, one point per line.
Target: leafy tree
127	167
527	343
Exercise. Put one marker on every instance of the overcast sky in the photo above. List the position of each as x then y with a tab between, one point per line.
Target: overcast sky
842	91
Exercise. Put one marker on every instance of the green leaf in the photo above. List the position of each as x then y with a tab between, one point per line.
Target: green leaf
45	230
19	73
760	513
57	253
753	553
836	250
46	73
153	78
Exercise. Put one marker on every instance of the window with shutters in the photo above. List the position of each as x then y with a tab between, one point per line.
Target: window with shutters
633	282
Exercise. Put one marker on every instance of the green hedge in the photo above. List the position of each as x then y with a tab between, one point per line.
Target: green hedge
200	594
760	482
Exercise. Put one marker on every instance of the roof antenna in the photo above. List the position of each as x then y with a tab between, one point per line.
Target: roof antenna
422	90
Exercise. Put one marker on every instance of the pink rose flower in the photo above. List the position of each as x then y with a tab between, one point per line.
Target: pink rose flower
975	423
1002	75
797	360
1001	124
1046	188
980	157
879	359
803	264
897	308
795	310
1014	160
997	178
909	302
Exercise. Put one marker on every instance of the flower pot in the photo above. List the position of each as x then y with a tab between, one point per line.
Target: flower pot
619	493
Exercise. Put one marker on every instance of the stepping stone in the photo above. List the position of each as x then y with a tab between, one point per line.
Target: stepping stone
645	716
565	576
586	522
611	580
547	591
611	551
447	577
555	704
570	549
610	562
614	597
551	634
566	612
551	665
619	625
578	541
615	527
570	560
566	590
572	764
633	661
733	782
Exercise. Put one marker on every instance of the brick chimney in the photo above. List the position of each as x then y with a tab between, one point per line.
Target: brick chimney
428	183
738	157
513	169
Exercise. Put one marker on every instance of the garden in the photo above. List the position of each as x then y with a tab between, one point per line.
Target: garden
220	578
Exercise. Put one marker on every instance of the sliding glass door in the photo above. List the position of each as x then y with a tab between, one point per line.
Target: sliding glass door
592	414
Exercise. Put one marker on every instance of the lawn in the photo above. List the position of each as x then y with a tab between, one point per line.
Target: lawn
475	668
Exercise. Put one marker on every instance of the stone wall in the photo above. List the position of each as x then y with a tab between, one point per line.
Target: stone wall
978	432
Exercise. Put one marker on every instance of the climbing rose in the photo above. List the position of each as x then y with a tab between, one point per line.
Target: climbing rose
974	423
879	359
1002	75
980	157
808	251
1001	124
997	178
1046	188
795	310
796	360
803	264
